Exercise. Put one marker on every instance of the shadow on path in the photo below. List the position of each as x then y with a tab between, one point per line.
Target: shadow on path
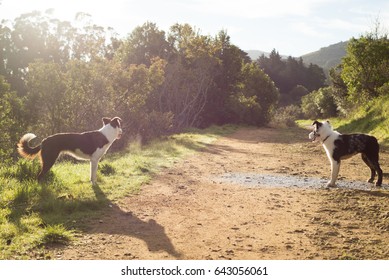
126	223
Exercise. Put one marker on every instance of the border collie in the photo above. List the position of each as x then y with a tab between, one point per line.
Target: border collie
342	146
91	145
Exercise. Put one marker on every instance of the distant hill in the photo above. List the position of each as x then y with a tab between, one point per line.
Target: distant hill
254	55
327	57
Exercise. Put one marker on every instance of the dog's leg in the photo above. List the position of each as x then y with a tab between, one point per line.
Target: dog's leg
377	167
372	160
373	157
335	165
47	160
93	170
379	171
371	166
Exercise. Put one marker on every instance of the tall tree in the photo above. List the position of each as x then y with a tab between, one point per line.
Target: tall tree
256	98
145	43
366	65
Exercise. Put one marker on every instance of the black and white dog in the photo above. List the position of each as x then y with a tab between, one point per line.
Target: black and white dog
91	145
342	146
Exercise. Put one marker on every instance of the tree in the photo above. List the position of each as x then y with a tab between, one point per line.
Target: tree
189	76
47	95
145	43
10	120
339	90
257	97
289	73
366	66
226	77
319	104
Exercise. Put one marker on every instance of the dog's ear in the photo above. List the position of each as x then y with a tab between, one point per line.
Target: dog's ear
329	124
316	124
115	122
106	120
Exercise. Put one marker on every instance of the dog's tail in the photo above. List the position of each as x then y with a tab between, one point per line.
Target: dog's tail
25	150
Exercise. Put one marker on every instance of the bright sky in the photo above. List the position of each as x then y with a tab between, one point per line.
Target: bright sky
292	27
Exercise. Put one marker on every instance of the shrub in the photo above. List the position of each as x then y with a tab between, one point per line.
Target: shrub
319	104
286	116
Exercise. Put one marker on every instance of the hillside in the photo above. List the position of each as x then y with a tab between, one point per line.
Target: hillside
373	118
255	54
327	57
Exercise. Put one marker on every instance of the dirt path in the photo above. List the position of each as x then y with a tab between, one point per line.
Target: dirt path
192	211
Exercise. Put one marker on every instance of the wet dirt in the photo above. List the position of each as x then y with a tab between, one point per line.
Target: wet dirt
254	194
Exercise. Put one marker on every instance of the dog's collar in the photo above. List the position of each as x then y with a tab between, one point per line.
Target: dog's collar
326	138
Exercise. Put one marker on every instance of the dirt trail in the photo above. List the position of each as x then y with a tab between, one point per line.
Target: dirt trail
190	212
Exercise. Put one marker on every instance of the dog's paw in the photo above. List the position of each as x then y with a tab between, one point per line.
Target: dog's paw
330	185
371	180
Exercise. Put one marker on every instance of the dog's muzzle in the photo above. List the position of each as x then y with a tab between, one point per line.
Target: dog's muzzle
120	134
313	135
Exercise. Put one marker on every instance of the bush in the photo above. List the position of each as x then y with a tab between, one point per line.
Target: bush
286	116
319	104
246	109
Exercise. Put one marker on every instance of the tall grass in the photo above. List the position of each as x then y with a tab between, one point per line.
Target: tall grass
36	215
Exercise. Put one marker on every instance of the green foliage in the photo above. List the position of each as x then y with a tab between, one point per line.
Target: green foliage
319	104
287	116
366	66
339	91
294	96
10	120
256	98
245	109
289	73
371	118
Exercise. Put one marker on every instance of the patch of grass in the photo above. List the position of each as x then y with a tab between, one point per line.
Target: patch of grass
107	169
34	215
56	234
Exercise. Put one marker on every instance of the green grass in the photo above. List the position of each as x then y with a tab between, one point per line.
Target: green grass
34	216
372	118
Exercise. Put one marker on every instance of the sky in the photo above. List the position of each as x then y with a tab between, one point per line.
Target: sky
292	27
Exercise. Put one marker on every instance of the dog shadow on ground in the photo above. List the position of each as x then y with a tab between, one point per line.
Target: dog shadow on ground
119	222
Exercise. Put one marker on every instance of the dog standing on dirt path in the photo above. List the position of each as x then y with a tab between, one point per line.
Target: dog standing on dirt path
342	146
91	145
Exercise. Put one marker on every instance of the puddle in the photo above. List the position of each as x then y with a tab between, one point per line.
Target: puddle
282	180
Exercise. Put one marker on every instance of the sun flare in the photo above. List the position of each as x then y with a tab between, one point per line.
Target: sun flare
64	10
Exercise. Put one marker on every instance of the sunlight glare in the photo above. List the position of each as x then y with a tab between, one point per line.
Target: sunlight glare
64	10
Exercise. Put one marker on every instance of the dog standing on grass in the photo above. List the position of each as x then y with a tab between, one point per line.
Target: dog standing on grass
91	145
342	146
